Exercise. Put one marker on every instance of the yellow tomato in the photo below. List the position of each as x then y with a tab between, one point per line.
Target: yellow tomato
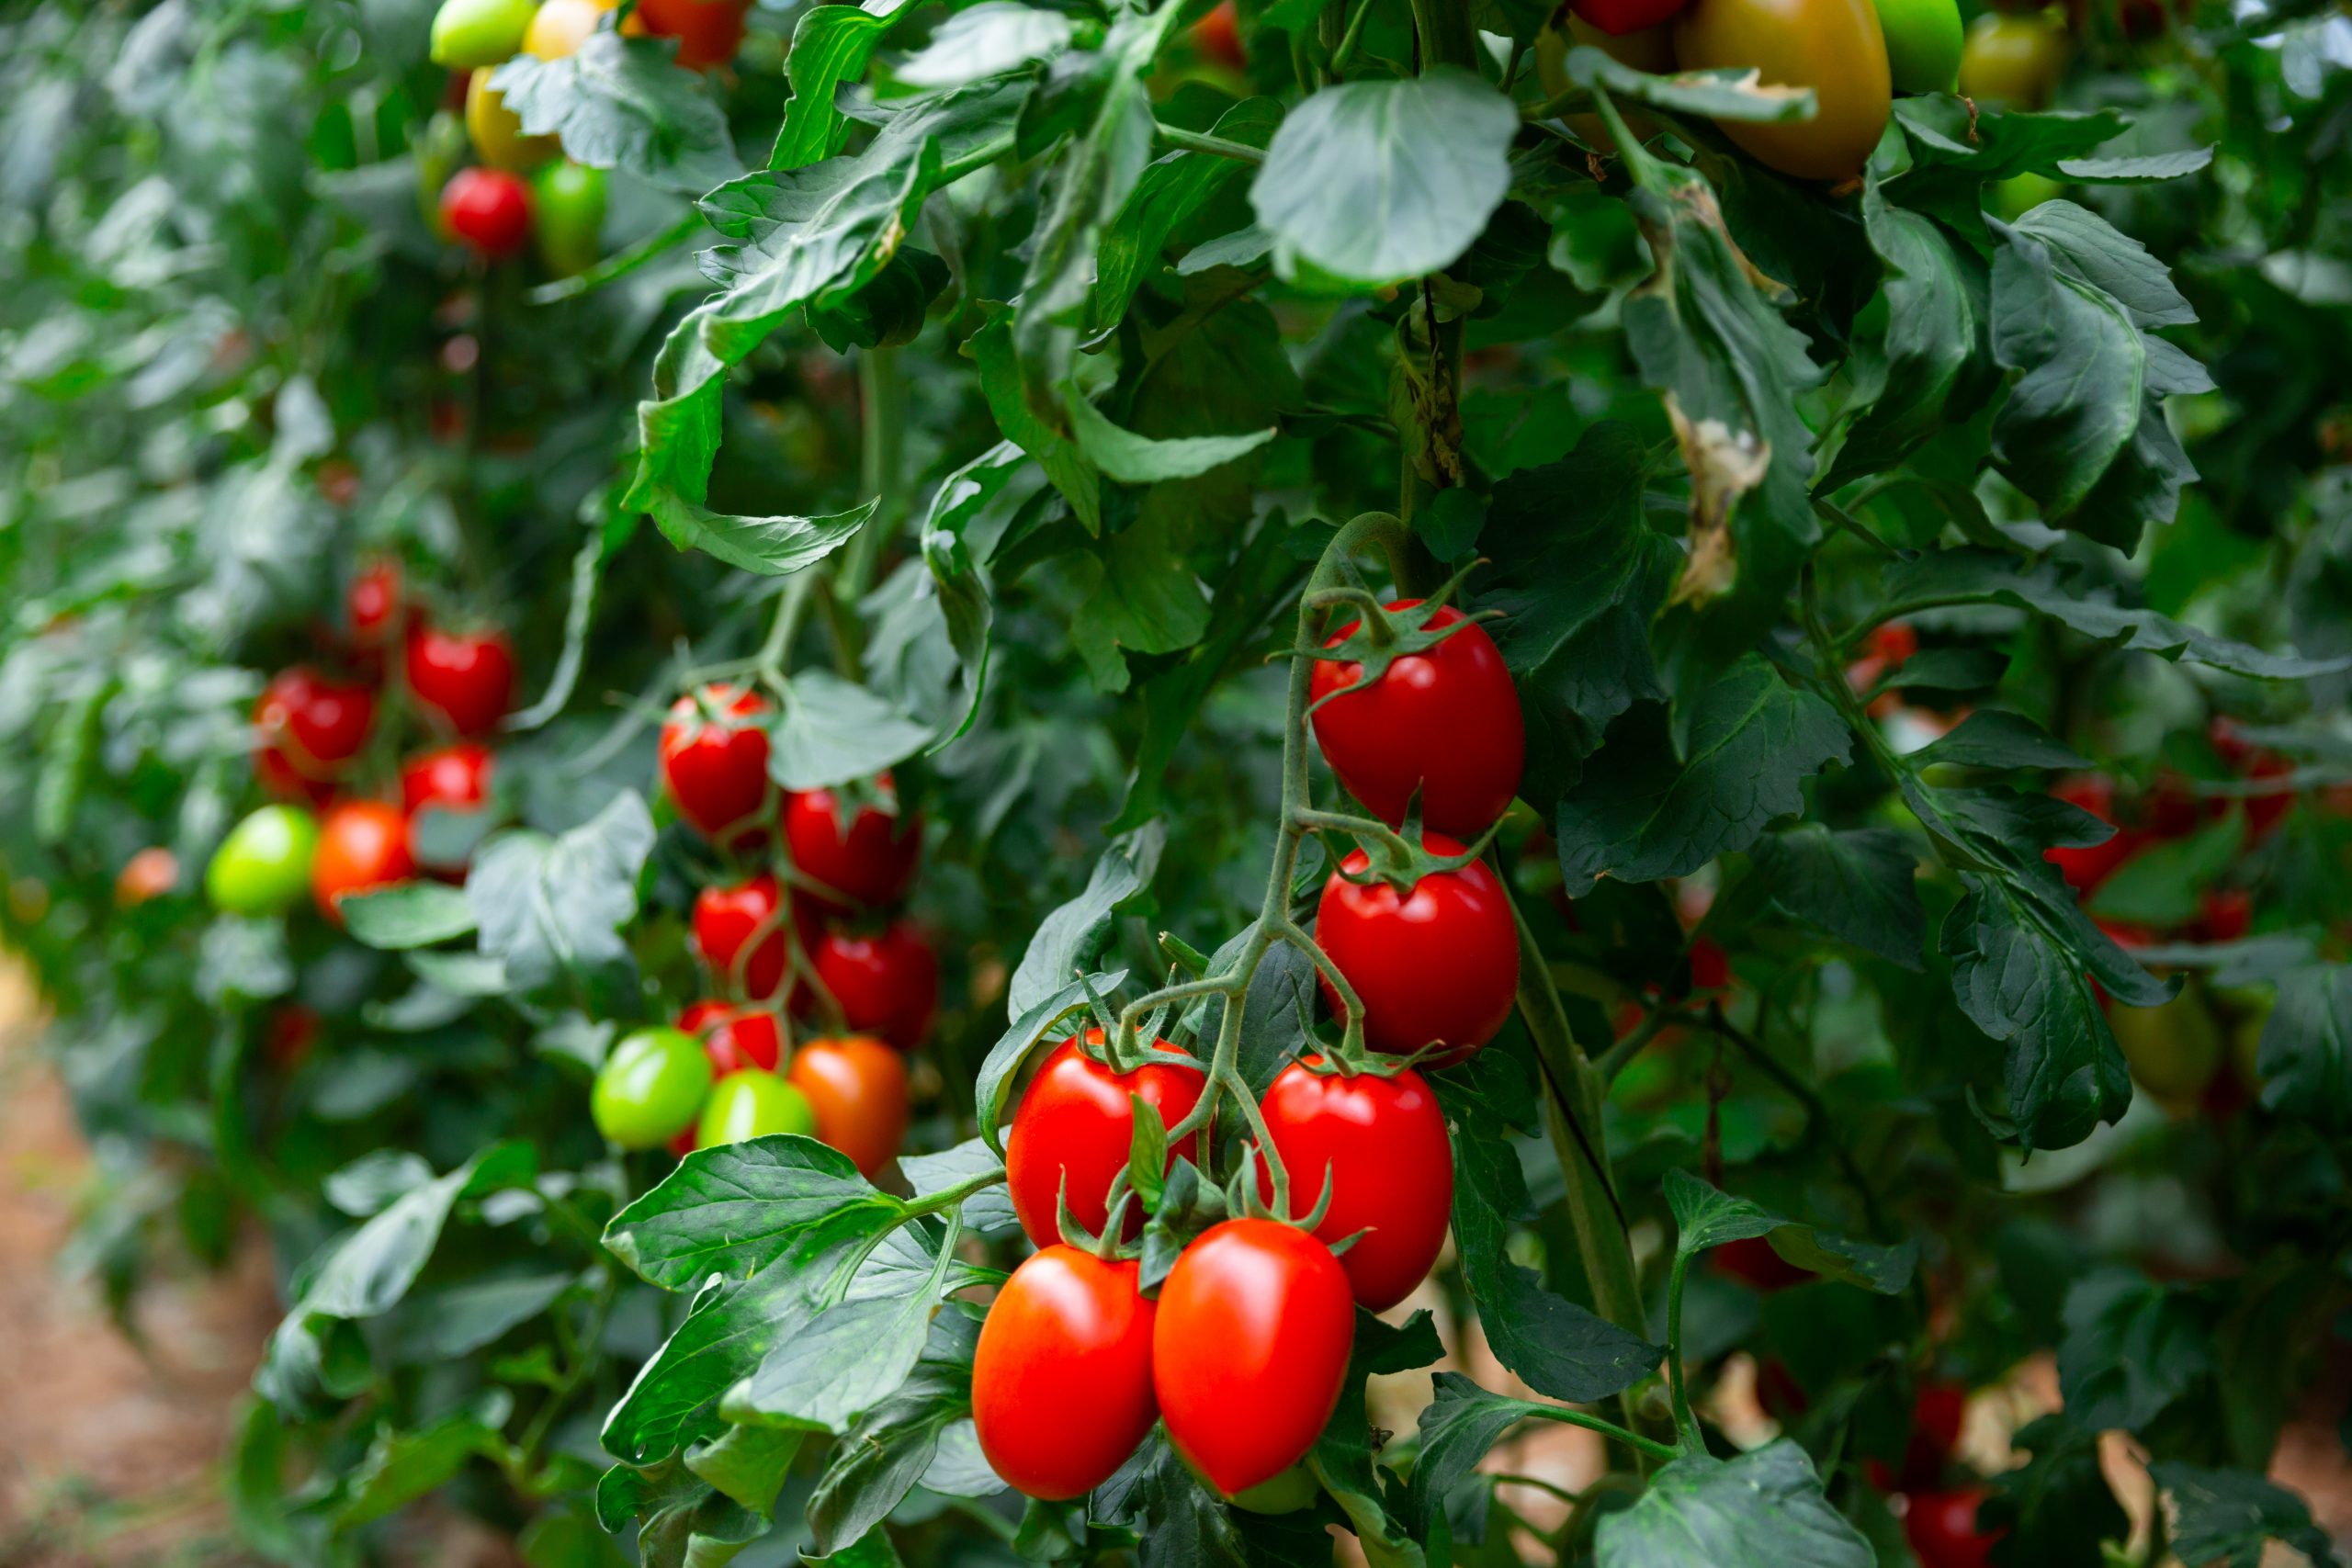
497	133
2175	1050
2013	60
1834	47
560	27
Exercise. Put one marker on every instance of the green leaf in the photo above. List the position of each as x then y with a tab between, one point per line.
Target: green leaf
834	731
400	1467
1457	1429
1071	938
831	45
1705	1216
1031	1027
2081	371
986	1211
1342	1457
747	1465
1994	738
2085	245
1138	459
2132	1348
849	1355
551	911
1072	473
1858	886
623	104
1764	1509
1375	182
1174	189
2160	885
1714	95
772	546
2057	1505
902	1441
2306	1052
441	1323
2226	1517
734	1208
984	39
2133	171
1923	370
1145	600
413	914
1754	740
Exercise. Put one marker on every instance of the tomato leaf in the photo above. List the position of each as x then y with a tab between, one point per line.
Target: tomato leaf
1857	885
1995	738
834	731
2132	1348
920	1435
2057	1505
735	1209
1716	95
550	910
987	1212
1071	938
414	914
622	102
1172	190
2227	1517
831	45
1035	1025
1763	1507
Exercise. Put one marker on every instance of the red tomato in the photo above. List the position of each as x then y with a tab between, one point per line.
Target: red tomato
489	210
2251	762
734	1038
886	984
311	729
1937	1412
1391	1165
1710	966
454	777
290	1035
717	770
1440	964
363	845
1061	1383
373	602
709	32
1250	1349
151	872
1894	642
1941	1528
858	1088
1217	37
873	863
1075	1118
1752	1260
2225	914
464	680
726	921
1618	18
1445	722
2085	869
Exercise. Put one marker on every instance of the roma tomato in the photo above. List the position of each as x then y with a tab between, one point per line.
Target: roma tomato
561	27
1834	47
750	1037
1384	1142
2014	58
263	865
1923	45
489	210
372	603
858	1088
1061	1381
454	777
468	34
651	1089
496	130
1250	1349
886	984
872	862
1941	1528
464	679
568	217
1445	721
1075	1121
309	730
1439	964
716	766
752	1102
709	32
740	932
363	845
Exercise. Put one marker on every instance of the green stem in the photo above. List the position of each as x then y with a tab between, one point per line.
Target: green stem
1685	1424
1614	1432
1340	55
1200	141
619	264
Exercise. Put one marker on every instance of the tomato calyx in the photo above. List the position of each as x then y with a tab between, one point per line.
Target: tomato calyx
1386	633
1401	860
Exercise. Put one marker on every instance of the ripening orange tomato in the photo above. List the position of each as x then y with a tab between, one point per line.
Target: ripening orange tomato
1835	47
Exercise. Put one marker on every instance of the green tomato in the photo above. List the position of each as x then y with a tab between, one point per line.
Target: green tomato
751	1103
471	34
2013	198
1923	43
568	217
2175	1050
1294	1489
650	1088
263	867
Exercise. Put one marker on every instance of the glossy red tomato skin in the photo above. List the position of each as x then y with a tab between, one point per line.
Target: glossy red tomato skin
858	1088
1391	1165
1941	1528
1061	1381
1250	1349
489	209
466	680
725	921
363	845
1446	721
718	771
1440	964
1075	1116
709	32
454	776
873	863
372	603
1618	18
886	984
309	729
735	1038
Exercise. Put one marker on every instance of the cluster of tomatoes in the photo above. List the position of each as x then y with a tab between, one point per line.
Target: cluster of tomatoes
521	190
333	833
823	941
1242	1352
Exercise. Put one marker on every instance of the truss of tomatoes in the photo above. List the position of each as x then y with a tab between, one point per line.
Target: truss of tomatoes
349	819
1240	1349
818	933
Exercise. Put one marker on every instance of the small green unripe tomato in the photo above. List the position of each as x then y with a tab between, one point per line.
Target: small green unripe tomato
2175	1049
2013	198
751	1103
469	34
568	217
1923	43
263	867
651	1089
1294	1489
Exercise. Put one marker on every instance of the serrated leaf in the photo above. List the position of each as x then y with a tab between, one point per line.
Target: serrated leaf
2225	1518
621	103
831	45
1031	1027
1995	738
1764	1509
551	911
1858	886
833	730
734	1208
2131	1347
2133	170
983	39
1715	94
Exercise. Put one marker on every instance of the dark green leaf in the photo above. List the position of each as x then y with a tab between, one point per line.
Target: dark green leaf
2226	1517
413	914
1764	1509
1071	938
623	104
1858	886
550	910
734	1208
